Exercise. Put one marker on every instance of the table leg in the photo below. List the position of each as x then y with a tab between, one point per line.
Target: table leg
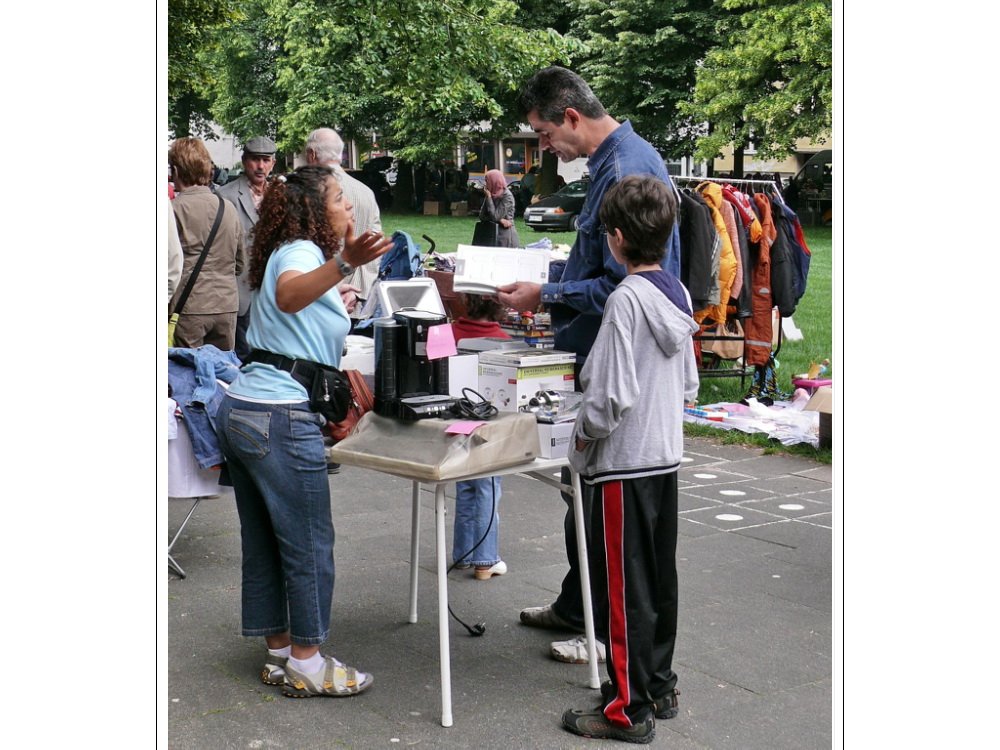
588	611
414	550
443	634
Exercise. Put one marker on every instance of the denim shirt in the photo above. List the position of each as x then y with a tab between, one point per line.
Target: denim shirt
577	300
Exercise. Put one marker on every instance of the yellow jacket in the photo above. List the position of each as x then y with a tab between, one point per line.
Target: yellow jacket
712	193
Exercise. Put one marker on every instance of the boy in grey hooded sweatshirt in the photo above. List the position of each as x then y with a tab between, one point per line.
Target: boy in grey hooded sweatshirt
628	443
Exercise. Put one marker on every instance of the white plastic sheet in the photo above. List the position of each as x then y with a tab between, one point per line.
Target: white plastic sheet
785	421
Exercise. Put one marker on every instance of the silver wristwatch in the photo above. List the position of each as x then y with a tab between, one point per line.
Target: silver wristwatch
346	269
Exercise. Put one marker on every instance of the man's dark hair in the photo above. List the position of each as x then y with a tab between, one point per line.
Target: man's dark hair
644	209
551	90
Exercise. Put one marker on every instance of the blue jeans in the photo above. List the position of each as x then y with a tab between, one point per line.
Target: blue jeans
274	453
473	509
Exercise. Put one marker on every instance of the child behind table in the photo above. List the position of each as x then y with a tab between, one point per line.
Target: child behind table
476	500
628	443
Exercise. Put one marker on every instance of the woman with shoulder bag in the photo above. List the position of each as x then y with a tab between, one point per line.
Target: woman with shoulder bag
304	245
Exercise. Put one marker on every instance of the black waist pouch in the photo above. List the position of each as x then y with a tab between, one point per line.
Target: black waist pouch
328	388
329	392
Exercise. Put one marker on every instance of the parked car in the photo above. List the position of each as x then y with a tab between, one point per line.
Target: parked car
559	211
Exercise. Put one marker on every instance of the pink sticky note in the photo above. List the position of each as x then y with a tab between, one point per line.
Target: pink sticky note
462	428
440	341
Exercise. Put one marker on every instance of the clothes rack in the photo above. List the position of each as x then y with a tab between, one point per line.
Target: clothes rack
736	181
710	363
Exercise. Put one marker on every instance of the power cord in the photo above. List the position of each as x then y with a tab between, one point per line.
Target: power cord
480	627
469	409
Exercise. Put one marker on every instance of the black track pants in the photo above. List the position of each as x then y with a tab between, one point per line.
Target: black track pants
633	573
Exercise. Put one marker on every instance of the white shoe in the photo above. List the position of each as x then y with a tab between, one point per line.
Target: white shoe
485	574
574	651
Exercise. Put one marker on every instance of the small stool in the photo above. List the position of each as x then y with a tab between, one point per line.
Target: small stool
810	386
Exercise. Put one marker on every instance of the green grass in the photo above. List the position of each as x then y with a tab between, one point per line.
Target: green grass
448	232
813	316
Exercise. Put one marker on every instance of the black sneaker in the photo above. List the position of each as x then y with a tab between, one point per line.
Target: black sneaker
593	723
332	468
666	707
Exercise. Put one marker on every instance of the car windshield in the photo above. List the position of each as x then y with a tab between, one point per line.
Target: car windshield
575	189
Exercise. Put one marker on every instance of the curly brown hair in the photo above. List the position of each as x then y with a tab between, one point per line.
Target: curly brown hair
294	208
483	307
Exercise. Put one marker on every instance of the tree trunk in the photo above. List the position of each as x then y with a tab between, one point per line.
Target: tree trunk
545	183
403	198
738	160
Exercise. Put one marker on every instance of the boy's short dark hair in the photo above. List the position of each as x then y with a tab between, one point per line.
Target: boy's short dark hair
644	209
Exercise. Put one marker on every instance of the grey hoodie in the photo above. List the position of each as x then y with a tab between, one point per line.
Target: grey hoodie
637	378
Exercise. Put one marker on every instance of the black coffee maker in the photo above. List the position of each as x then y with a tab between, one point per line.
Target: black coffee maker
406	381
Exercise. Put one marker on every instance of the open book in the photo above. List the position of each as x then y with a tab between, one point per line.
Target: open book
480	270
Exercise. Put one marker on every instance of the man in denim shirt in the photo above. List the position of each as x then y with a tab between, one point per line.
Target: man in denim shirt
571	122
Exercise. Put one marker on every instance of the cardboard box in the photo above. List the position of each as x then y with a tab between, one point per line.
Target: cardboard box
509	388
822	401
554	439
433	208
460	208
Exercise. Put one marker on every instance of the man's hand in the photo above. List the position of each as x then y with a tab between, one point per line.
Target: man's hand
521	295
506	223
581	445
348	295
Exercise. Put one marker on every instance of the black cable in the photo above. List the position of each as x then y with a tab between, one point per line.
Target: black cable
469	409
480	627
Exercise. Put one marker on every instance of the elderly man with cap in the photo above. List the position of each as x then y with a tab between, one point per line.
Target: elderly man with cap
246	192
324	147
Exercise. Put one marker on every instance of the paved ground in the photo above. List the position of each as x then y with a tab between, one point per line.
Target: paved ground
753	649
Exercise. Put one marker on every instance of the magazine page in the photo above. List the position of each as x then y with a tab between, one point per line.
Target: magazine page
480	270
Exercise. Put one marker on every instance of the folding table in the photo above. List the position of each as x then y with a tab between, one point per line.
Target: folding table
539	469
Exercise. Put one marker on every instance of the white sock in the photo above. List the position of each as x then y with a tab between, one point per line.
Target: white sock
285	651
307	666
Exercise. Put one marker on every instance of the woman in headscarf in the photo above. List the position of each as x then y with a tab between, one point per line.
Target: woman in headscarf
498	207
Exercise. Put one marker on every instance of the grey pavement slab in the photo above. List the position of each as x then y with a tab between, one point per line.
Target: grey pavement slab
754	634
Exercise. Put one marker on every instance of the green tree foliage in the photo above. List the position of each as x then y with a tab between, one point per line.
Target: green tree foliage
245	59
191	34
417	74
640	58
769	80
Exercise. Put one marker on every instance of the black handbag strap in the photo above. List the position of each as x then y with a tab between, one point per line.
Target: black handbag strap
201	259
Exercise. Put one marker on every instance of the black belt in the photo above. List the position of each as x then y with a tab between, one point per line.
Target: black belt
300	369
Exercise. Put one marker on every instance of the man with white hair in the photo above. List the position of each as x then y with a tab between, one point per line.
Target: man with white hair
324	147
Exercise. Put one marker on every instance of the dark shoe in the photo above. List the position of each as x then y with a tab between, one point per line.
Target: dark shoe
593	723
666	707
332	468
545	617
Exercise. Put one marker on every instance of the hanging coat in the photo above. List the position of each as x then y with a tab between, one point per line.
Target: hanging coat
758	328
727	258
783	273
699	251
800	253
729	216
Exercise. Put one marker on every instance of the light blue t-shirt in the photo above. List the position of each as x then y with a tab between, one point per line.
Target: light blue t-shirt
316	333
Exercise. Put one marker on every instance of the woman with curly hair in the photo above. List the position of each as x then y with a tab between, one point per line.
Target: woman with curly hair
303	246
